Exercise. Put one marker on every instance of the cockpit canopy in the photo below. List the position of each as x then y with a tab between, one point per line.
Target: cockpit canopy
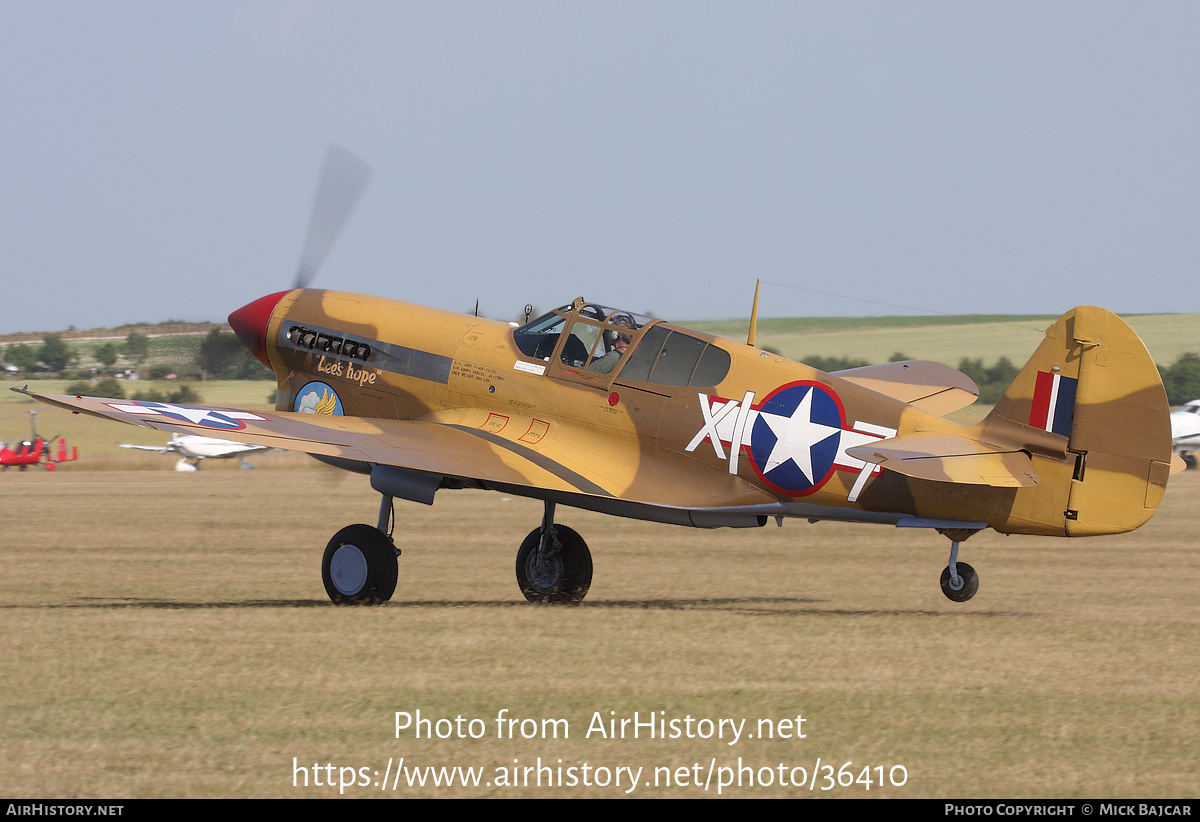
590	339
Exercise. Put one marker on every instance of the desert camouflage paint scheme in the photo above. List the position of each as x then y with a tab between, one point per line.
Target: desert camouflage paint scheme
688	428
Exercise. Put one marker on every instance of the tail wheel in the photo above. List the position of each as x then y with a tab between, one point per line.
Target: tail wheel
359	566
561	575
963	587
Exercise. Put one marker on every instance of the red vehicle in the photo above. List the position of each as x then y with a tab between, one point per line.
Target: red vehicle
36	451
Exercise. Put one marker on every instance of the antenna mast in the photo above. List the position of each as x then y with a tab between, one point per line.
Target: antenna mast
753	315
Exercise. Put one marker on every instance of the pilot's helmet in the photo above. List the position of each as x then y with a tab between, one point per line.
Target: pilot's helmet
623	320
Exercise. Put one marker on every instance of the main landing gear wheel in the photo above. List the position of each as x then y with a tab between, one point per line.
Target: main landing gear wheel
561	573
962	587
359	566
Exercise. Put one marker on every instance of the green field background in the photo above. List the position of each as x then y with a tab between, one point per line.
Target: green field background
943	339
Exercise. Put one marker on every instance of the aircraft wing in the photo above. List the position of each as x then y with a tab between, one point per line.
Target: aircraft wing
950	459
931	386
161	449
474	444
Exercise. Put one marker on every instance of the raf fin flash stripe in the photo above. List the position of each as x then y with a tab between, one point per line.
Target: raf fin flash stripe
1053	403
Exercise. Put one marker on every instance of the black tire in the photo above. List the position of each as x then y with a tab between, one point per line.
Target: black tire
970	583
563	579
359	566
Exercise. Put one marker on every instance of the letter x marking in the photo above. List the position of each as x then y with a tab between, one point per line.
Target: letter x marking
709	431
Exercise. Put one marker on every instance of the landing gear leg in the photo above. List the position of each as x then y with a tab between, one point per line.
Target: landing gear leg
959	580
554	564
359	566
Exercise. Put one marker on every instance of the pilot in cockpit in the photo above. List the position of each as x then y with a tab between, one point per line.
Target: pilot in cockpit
620	342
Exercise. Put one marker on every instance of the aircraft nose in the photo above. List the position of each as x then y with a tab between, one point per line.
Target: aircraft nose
250	324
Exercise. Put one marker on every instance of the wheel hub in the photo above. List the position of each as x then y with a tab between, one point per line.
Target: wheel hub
545	571
348	569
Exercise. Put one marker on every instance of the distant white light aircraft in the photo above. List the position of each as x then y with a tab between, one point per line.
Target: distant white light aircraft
193	448
1185	431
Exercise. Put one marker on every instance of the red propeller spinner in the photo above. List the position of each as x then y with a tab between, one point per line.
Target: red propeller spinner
250	324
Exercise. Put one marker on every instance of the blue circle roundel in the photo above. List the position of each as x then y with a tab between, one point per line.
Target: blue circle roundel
796	436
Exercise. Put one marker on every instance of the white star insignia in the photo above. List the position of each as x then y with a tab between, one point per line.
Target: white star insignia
795	437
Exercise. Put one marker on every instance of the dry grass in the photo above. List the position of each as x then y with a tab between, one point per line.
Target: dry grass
168	635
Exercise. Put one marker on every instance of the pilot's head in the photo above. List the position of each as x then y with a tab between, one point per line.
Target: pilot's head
622	320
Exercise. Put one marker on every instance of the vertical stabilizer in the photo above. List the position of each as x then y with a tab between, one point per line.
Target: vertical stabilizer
1092	393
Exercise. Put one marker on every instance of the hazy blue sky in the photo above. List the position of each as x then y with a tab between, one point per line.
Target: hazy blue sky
158	159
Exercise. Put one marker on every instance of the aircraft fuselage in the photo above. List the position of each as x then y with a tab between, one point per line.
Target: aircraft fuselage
757	436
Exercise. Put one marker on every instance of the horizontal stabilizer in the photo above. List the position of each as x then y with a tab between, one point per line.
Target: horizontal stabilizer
930	386
944	458
1177	464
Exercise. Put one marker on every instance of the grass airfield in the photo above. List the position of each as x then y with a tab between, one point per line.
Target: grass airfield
167	635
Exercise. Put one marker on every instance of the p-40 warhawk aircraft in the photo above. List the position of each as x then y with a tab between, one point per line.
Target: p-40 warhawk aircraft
603	409
606	410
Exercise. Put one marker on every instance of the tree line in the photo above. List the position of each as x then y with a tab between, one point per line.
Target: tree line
216	355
